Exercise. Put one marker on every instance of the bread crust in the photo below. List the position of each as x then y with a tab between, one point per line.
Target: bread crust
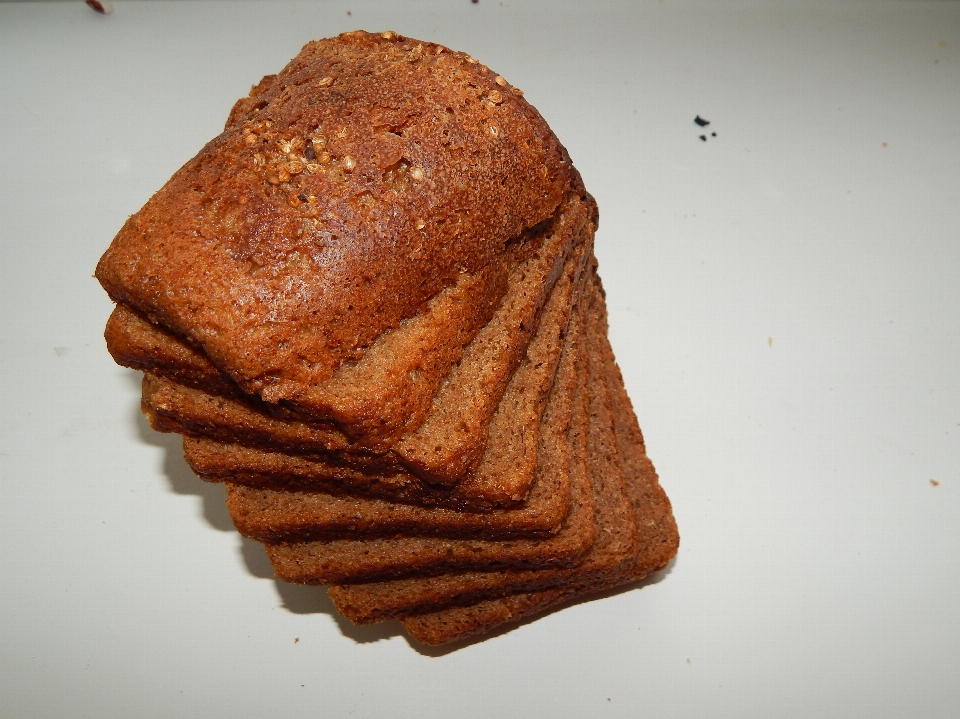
370	305
281	266
403	395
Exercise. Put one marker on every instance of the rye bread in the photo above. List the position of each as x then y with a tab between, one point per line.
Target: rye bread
343	194
366	560
269	515
388	393
503	477
658	536
615	542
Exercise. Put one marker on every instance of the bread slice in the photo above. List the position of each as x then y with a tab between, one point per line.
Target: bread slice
272	516
389	392
615	542
342	195
503	477
376	398
658	544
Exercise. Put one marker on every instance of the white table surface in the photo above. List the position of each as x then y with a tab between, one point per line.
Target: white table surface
785	305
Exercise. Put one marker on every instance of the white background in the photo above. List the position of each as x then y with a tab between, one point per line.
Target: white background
785	305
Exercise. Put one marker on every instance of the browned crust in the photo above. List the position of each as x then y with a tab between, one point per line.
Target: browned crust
434	165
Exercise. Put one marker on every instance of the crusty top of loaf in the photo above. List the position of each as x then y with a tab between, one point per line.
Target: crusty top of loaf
343	193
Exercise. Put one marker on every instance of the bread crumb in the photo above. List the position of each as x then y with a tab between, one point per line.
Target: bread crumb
934	482
101	6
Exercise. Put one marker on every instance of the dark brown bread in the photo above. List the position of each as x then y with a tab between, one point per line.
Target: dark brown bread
503	477
659	541
344	193
273	516
614	546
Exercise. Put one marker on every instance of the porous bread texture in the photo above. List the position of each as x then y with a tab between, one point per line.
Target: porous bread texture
615	542
457	407
503	477
658	538
272	516
347	191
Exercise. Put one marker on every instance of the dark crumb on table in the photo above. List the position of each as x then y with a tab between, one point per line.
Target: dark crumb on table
700	121
296	639
703	137
713	134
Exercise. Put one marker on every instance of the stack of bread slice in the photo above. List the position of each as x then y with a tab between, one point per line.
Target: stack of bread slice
371	308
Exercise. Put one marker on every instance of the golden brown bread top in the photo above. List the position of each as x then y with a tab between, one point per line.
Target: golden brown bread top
344	193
